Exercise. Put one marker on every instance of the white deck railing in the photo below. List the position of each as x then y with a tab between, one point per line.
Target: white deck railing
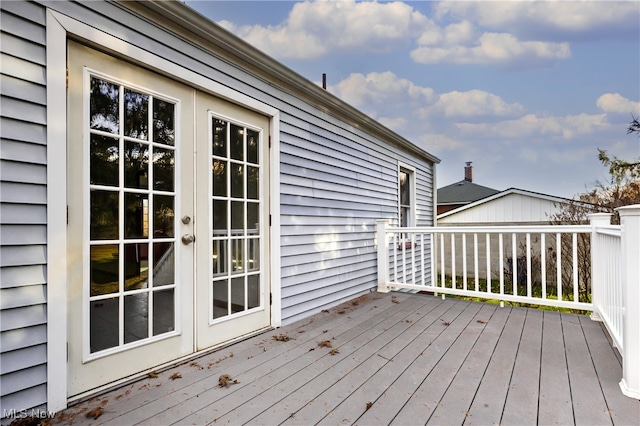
592	267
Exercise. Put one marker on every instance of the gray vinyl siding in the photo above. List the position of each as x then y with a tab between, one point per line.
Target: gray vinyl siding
335	182
23	199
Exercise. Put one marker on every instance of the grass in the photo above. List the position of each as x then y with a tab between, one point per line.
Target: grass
536	292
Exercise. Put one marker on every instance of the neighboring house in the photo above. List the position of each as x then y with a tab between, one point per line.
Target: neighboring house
462	193
167	189
467	203
509	207
512	206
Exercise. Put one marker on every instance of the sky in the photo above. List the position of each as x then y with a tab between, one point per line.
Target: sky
526	91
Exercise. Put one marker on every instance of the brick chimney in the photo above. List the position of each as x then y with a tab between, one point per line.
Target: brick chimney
468	172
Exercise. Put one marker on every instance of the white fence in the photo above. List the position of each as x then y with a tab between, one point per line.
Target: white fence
592	267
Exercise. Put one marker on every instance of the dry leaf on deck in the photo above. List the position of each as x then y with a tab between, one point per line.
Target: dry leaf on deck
95	413
225	380
281	338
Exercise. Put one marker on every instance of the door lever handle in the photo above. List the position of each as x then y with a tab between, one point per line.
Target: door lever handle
188	239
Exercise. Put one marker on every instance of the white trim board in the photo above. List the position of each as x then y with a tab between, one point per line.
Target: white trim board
59	28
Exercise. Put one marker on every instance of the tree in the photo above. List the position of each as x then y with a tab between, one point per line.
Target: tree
621	169
622	188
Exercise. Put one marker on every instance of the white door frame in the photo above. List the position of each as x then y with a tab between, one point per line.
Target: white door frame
59	29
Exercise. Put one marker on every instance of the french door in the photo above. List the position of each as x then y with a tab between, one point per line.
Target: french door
167	213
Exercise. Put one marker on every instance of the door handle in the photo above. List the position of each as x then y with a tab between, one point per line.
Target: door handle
188	239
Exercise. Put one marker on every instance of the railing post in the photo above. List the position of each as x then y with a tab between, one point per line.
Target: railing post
383	256
630	268
597	220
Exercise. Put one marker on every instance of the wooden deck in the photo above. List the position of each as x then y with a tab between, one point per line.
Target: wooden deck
398	359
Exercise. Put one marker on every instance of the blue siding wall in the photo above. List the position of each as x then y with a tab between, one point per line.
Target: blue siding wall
23	209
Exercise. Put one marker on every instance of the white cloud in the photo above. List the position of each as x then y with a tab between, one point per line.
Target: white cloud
382	90
312	29
472	103
396	124
533	126
616	103
547	20
387	95
490	48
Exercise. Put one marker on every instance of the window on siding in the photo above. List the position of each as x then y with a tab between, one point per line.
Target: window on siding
406	213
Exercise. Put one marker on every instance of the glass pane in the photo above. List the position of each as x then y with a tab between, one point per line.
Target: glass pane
236	144
252	146
103	324
220	257
136	165
219	137
104	215
103	108
104	160
163	264
404	216
219	171
163	312
136	215
253	218
237	294
237	218
163	216
405	190
136	266
220	220
253	254
136	114
237	256
163	169
164	122
253	182
220	299
104	271
136	317
253	291
237	180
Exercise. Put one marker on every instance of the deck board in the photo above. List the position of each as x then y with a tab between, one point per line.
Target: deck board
337	382
403	359
588	401
555	393
453	408
429	395
354	405
521	406
489	400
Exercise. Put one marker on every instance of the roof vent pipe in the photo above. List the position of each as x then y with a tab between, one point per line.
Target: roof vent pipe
468	172
324	81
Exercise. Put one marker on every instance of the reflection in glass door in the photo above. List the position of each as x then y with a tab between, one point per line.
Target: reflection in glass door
132	202
236	205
